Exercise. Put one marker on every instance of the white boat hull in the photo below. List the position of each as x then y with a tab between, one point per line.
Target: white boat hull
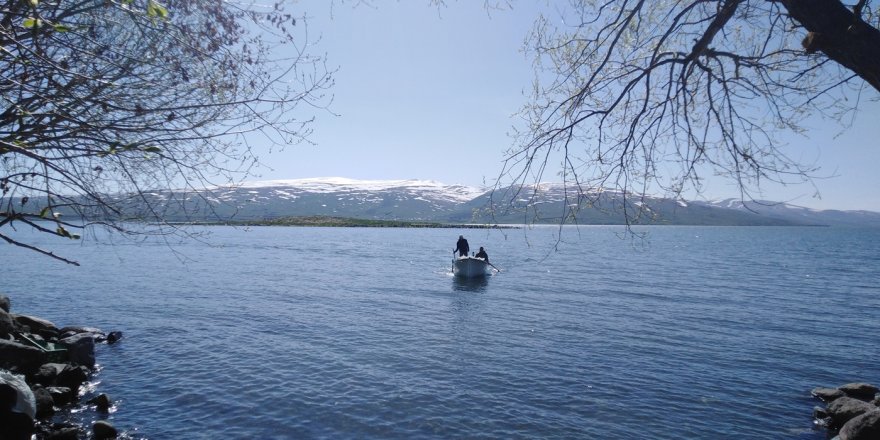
470	267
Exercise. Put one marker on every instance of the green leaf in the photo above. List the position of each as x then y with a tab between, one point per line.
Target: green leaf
62	232
112	150
34	3
44	212
153	150
156	10
31	22
61	28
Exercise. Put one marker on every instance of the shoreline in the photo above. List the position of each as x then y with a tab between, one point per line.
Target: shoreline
346	222
852	411
43	370
353	222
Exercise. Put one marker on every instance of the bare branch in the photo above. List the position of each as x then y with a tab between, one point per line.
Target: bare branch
642	97
104	103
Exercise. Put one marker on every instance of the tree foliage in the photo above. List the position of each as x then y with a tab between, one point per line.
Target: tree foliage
646	96
102	101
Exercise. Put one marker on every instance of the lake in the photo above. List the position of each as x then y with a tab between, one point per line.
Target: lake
279	333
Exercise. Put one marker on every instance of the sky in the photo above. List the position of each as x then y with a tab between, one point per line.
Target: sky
430	93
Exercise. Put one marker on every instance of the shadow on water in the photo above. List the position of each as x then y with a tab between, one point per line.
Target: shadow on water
477	285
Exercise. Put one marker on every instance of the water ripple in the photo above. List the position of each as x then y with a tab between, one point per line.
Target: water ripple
704	333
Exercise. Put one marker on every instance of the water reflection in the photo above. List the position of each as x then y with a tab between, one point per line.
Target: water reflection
466	305
477	285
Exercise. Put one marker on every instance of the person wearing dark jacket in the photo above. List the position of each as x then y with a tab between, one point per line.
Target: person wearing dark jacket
482	254
462	247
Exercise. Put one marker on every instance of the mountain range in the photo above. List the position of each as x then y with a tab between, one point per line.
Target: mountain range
430	201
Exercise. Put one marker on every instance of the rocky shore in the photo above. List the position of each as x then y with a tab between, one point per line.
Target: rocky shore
851	411
42	372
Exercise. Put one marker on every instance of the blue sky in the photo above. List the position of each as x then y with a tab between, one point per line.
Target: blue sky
430	93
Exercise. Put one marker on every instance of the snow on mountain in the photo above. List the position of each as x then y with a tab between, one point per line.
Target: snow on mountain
410	199
799	214
427	200
434	189
757	205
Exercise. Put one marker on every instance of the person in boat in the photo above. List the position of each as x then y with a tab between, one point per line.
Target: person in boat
482	254
462	247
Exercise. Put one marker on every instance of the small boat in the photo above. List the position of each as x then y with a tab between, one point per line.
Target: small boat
470	267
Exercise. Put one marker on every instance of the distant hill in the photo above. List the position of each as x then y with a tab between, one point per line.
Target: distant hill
800	214
548	202
430	201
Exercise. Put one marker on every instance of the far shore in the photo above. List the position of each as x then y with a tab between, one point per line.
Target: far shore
345	222
351	222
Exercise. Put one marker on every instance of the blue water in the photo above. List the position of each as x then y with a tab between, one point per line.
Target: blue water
277	333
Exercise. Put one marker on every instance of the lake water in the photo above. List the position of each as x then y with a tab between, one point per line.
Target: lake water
286	333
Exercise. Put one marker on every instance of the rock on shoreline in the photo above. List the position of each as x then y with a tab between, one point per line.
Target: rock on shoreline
852	411
42	370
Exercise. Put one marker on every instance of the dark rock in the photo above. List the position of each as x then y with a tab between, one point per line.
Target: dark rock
63	434
4	303
101	402
45	403
845	408
48	373
66	433
18	394
75	330
819	413
104	430
16	426
114	337
827	394
20	357
72	377
38	326
81	349
61	375
7	324
863	427
859	390
61	395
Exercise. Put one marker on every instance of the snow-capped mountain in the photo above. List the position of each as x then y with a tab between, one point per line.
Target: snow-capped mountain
422	200
553	203
799	214
425	200
328	185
